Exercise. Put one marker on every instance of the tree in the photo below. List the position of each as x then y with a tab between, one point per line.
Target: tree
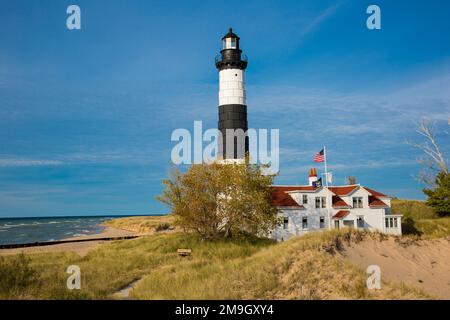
351	180
434	160
217	200
439	197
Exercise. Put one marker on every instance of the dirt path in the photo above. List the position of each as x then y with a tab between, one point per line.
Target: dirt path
124	293
424	264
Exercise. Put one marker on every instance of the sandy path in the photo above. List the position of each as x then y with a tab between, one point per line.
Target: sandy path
424	264
81	248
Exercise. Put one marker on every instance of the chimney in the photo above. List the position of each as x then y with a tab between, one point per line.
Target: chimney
312	176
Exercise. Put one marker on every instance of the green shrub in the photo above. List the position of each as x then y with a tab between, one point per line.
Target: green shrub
162	227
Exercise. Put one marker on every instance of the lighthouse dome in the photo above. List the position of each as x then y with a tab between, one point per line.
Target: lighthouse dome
230	40
230	34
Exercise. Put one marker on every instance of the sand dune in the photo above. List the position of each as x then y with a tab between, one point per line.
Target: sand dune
423	263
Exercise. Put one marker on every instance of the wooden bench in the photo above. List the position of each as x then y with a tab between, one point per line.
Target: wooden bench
184	252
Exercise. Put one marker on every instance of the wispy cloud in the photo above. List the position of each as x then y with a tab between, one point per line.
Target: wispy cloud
28	162
321	17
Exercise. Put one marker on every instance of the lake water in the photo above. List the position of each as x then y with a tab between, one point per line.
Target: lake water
25	230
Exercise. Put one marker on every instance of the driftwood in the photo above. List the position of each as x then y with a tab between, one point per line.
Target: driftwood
49	243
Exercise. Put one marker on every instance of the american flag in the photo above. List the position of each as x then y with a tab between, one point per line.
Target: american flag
319	157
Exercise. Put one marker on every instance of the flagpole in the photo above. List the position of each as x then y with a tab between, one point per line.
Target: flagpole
325	162
326	183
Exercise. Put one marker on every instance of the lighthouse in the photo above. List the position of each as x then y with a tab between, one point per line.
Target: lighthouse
231	64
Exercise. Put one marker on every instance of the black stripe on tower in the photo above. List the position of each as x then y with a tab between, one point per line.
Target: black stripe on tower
232	116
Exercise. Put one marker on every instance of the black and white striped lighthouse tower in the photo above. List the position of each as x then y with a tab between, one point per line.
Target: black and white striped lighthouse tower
231	63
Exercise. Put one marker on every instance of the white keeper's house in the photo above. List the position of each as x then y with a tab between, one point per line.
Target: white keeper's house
310	208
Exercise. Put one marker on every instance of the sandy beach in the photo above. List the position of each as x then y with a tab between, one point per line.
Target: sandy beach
81	248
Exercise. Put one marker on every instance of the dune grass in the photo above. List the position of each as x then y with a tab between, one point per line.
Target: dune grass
301	268
420	220
143	224
239	268
413	209
433	228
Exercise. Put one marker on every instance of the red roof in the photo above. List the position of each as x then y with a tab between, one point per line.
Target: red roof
375	193
375	202
342	191
281	199
338	202
341	214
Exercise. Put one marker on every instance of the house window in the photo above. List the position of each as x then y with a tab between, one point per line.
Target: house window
360	222
305	199
349	223
285	223
321	202
336	224
317	202
357	202
305	223
322	222
391	222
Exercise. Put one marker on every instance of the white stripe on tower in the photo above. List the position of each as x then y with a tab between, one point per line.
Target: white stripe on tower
231	87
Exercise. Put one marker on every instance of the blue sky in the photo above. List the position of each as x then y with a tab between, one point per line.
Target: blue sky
86	116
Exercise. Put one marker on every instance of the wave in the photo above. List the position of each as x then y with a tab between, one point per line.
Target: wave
28	224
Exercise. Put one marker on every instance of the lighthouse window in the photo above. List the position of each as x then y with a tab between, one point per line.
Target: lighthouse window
233	43
224	44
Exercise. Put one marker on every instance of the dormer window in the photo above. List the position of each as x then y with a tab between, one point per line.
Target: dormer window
357	202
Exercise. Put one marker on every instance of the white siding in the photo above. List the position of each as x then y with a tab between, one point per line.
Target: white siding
374	218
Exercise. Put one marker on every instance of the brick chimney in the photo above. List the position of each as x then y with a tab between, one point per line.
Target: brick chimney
312	176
